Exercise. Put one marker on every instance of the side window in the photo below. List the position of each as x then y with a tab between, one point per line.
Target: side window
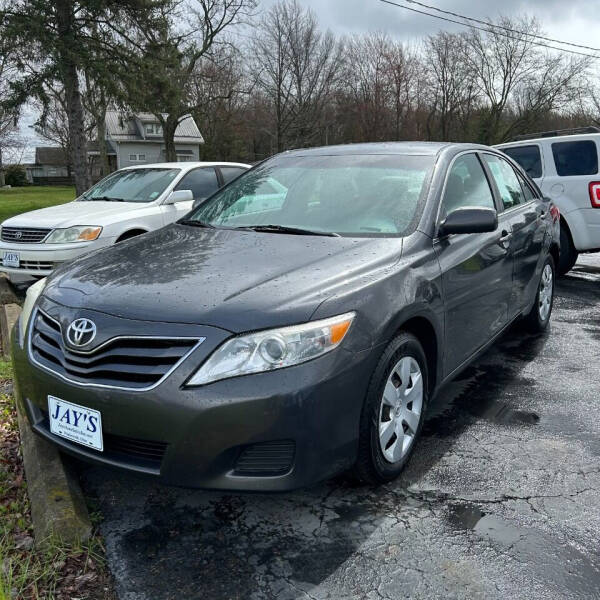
575	158
527	191
467	185
230	173
202	182
528	157
506	180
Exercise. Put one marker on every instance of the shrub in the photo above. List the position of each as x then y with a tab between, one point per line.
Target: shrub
15	176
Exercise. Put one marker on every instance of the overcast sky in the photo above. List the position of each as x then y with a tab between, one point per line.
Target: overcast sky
573	21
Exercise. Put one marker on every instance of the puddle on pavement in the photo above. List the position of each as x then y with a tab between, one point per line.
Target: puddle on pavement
487	525
593	332
499	412
550	559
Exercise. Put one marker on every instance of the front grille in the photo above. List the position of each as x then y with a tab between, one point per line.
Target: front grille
37	265
147	453
266	459
24	235
127	362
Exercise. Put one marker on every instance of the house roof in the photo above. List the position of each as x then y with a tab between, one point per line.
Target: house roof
51	155
124	127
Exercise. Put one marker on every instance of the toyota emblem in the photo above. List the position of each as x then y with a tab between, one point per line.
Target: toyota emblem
81	332
18	235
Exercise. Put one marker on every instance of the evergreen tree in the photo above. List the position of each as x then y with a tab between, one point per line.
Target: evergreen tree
65	39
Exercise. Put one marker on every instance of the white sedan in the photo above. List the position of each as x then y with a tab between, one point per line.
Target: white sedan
124	204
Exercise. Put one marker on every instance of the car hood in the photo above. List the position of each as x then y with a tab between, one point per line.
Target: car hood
72	213
235	280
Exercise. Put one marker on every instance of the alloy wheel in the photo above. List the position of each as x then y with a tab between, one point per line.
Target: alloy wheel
546	291
400	409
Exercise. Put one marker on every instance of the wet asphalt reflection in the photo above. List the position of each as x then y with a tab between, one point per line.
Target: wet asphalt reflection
501	497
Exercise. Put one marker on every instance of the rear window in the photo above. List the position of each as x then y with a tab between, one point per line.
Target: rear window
528	157
230	173
575	158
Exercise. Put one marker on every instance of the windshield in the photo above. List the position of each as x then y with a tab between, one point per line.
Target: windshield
135	185
364	195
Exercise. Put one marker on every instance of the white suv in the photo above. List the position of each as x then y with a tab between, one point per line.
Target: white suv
124	204
565	167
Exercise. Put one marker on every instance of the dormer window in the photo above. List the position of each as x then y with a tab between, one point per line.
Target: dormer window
153	129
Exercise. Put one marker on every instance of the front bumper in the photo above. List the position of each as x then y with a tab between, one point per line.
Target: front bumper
198	437
41	259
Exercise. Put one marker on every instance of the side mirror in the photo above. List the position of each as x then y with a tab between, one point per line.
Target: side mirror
179	196
469	220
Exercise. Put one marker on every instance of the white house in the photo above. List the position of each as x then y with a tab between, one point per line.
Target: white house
136	139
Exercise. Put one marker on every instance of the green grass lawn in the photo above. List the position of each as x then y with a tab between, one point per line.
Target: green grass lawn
23	199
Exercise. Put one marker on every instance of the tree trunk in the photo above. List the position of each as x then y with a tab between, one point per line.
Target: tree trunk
169	126
101	134
2	181
69	75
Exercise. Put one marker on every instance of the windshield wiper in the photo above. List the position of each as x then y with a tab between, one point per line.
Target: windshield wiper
195	223
291	230
107	199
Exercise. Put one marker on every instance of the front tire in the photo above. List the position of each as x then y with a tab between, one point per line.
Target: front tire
539	316
394	409
568	253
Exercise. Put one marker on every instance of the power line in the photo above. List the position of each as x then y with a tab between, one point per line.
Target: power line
488	24
487	29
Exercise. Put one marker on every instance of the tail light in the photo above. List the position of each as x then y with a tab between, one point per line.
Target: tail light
595	193
555	213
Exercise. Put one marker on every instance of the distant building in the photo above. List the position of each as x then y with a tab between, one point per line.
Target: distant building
51	167
131	139
137	139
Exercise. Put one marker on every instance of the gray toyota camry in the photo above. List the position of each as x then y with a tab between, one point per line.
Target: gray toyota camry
295	324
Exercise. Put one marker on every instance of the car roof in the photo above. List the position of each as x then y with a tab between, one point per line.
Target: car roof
187	165
416	148
550	138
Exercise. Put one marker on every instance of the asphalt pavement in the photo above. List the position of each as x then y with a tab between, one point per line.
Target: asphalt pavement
501	498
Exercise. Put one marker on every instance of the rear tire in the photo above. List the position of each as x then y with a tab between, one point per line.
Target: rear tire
394	411
568	252
539	316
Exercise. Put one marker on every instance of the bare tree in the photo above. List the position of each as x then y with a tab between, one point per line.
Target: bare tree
556	87
53	123
96	100
515	76
402	68
315	60
296	66
163	82
271	69
219	93
366	86
451	85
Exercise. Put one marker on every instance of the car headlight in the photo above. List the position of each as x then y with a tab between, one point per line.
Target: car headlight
33	293
273	349
81	233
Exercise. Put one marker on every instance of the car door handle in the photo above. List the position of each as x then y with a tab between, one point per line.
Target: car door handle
505	239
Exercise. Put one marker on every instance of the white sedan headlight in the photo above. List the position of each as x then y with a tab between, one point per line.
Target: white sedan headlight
33	293
273	349
81	233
